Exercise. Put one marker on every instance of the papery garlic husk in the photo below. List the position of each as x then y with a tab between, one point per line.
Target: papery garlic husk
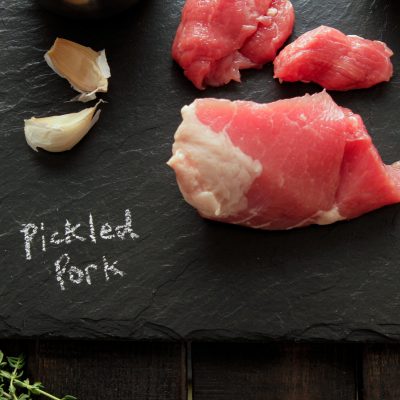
85	69
61	132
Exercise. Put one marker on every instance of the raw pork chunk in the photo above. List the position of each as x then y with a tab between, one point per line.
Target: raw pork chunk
335	61
217	38
280	165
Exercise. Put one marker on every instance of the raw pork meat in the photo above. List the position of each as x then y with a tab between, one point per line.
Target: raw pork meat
335	61
281	165
217	38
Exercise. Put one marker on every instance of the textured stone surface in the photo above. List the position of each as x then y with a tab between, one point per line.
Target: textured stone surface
185	277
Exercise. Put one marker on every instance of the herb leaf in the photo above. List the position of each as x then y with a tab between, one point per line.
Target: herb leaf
14	387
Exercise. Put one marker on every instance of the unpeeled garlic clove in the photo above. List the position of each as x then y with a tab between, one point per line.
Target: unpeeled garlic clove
61	132
85	69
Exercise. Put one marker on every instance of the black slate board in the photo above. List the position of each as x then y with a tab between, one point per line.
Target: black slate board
184	277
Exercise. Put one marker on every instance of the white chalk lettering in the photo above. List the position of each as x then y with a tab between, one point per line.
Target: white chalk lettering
29	231
70	234
53	239
92	230
87	273
126	228
74	233
105	231
43	237
112	269
76	275
39	237
61	268
65	272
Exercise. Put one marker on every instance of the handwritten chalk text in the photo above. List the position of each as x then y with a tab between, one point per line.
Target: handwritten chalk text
75	233
38	238
65	271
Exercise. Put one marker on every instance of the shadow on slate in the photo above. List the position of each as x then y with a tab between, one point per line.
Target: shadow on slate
185	278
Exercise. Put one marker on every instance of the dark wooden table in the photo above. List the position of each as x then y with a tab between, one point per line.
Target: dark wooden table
213	371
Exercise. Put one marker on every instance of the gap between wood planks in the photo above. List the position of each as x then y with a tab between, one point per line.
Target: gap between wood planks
189	370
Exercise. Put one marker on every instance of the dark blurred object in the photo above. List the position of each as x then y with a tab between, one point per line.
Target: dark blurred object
87	8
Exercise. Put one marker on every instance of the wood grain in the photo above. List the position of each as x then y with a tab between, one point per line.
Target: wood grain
127	370
381	372
274	371
106	370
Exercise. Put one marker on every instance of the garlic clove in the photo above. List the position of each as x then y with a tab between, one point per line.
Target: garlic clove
61	132
85	69
103	64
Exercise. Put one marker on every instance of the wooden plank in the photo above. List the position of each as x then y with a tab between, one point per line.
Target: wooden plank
12	347
274	371
381	372
110	370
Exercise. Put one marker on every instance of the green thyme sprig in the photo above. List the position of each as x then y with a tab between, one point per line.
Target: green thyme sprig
14	387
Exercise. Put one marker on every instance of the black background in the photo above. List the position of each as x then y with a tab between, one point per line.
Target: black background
185	277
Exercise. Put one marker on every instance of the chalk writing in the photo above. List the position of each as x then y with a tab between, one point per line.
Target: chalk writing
29	231
37	237
66	272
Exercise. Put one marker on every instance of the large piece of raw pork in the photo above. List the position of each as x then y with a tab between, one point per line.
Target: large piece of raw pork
217	38
335	61
281	165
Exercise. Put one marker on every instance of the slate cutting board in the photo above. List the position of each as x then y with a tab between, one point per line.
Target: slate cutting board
183	277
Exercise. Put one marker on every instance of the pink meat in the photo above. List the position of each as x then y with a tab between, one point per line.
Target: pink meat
281	165
218	38
335	61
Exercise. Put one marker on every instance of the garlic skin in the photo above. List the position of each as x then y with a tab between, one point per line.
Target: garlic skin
85	69
61	132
